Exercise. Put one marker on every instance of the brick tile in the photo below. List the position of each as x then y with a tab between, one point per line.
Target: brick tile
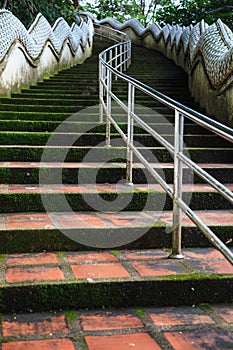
49	344
30	274
91	257
126	219
32	326
163	268
100	271
176	316
213	266
23	221
109	321
31	259
200	339
226	312
139	341
202	253
146	255
81	221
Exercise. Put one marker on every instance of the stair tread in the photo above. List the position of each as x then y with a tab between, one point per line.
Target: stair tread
154	328
106	220
106	165
98	188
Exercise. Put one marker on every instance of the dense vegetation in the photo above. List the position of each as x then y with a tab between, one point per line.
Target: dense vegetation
27	10
183	12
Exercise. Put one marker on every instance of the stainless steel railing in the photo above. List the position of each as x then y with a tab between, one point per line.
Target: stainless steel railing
112	62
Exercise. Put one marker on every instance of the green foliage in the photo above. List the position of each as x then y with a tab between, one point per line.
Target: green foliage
184	13
143	10
26	10
193	11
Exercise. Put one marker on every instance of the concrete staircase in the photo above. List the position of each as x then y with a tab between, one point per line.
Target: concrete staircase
109	262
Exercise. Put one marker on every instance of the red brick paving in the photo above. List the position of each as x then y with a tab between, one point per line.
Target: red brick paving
139	341
213	266
179	316
202	253
131	329
133	219
160	268
146	255
93	188
39	273
226	312
50	344
100	271
49	325
91	257
31	259
109	321
104	264
200	339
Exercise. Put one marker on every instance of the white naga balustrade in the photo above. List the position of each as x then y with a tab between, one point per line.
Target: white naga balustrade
27	56
204	52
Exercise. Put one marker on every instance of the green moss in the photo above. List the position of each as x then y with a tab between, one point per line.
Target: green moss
71	315
140	312
117	253
205	307
61	255
3	258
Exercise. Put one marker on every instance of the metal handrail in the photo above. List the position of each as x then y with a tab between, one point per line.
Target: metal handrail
112	62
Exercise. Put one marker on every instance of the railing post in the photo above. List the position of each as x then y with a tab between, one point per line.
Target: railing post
129	54
130	132
121	57
109	107
101	92
178	179
116	59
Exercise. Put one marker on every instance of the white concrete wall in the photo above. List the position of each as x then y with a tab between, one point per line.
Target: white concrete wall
204	52
29	56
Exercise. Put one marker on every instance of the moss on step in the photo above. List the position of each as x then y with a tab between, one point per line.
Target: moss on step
109	294
37	240
71	315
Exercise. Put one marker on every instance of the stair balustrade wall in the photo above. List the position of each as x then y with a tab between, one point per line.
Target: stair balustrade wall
204	52
28	56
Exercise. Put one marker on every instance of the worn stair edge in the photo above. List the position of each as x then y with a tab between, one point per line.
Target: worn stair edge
110	278
27	232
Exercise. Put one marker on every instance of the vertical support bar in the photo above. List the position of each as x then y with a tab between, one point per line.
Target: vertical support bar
130	131
110	58
109	107
101	92
116	58
178	179
121	56
125	56
129	53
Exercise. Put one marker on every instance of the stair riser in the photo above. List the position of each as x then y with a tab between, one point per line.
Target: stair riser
38	240
109	175
83	295
51	102
93	139
27	202
106	154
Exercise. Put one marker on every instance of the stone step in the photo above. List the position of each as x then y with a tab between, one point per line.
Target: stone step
62	149
39	135
78	231
28	172
72	280
149	328
22	198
